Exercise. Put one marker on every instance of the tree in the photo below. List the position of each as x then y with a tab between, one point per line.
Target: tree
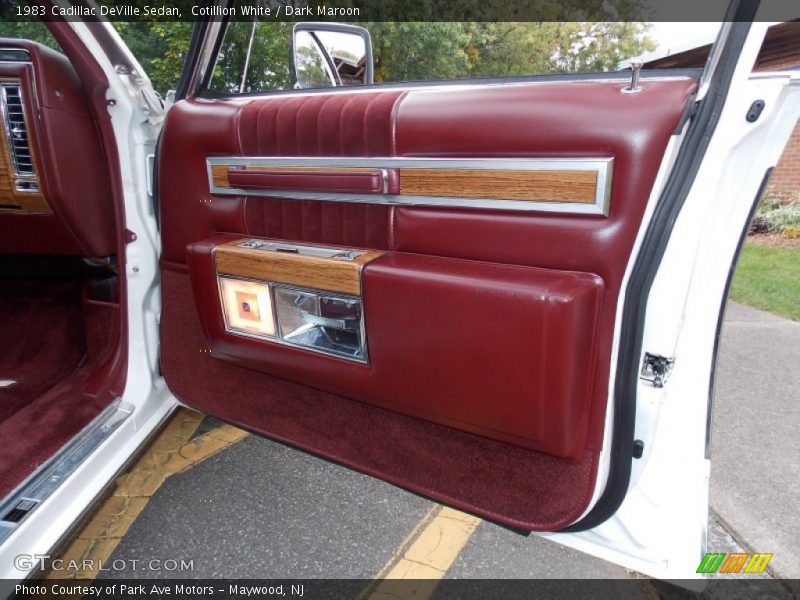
309	63
159	47
529	48
412	51
28	30
269	67
415	51
403	51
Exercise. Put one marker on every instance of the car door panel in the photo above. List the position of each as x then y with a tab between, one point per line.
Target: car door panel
445	321
320	222
489	331
502	482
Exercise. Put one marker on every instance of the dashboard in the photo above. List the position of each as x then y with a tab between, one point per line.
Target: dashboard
19	183
55	195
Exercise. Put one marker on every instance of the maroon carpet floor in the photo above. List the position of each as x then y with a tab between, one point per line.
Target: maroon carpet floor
49	344
41	340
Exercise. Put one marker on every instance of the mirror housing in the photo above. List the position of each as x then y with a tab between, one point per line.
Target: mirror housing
331	55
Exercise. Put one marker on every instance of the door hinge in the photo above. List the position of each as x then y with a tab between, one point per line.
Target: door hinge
656	369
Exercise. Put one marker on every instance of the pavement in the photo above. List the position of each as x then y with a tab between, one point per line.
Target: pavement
755	454
252	507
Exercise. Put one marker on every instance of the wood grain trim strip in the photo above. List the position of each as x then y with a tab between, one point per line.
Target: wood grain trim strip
293	269
219	176
501	184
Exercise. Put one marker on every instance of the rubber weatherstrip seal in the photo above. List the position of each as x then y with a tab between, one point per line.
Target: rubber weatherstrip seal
677	188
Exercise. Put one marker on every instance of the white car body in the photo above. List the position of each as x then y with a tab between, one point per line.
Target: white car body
660	528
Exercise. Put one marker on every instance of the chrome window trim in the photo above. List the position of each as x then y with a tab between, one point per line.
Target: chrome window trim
208	58
13	61
602	166
713	60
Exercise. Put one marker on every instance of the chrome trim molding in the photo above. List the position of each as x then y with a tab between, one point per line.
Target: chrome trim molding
602	166
385	180
636	69
713	60
278	338
20	170
363	358
208	58
45	480
14	55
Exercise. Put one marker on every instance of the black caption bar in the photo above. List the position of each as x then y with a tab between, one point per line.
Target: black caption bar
390	10
330	589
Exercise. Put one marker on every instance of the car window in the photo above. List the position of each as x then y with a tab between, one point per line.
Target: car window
261	57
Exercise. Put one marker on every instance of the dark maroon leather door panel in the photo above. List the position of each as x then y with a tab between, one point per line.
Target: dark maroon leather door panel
496	324
498	350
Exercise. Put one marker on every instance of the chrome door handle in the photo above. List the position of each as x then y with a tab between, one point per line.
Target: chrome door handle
329	322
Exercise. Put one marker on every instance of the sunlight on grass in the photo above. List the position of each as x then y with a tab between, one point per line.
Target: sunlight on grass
769	279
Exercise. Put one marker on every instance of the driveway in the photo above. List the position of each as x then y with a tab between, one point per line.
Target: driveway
755	449
242	506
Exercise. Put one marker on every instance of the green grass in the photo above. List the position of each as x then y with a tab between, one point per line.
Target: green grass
769	279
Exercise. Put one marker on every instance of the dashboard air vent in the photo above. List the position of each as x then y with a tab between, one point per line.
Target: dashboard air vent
16	131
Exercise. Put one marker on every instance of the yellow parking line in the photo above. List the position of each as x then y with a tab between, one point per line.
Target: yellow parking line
173	451
426	555
397	555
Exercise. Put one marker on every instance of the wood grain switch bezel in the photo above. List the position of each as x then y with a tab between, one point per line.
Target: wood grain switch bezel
301	270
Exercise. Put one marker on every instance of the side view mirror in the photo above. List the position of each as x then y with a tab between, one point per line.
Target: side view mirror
331	55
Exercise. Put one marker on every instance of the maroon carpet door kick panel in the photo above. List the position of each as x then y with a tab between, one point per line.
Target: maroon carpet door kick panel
420	284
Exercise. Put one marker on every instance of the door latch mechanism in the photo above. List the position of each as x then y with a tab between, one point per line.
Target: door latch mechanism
656	369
